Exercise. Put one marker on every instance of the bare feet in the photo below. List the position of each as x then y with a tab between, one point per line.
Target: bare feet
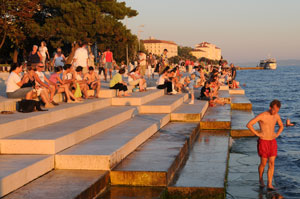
127	95
49	106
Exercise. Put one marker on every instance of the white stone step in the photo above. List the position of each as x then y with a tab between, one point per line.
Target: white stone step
18	170
240	102
20	122
137	98
164	104
237	91
62	184
224	87
7	104
106	150
239	120
58	136
190	112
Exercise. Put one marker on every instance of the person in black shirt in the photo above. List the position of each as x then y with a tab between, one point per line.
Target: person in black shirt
205	92
233	71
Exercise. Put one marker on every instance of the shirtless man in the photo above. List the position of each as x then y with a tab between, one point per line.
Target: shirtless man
266	144
93	81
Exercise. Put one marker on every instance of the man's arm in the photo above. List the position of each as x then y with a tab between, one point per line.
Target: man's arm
36	77
280	124
252	122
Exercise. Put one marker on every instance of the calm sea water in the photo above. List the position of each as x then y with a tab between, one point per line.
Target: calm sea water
262	86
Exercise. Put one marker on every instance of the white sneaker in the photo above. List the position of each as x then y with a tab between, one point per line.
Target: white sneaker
191	102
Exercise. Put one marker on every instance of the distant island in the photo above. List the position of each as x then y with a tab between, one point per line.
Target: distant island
288	62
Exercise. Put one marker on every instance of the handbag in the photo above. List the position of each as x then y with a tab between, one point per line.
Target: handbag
77	93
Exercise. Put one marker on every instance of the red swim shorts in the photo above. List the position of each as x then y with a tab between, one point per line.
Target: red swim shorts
267	148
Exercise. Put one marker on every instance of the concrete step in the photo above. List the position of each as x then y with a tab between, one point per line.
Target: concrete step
239	120
20	122
11	104
56	137
134	193
62	184
224	87
240	102
218	117
156	161
164	104
237	91
18	170
204	173
190	112
138	98
225	96
104	93
7	104
106	150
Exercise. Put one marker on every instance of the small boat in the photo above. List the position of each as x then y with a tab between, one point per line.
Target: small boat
269	64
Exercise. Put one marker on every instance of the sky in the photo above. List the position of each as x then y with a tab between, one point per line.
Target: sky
245	30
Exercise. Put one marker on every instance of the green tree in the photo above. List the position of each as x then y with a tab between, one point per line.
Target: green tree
16	22
185	53
62	23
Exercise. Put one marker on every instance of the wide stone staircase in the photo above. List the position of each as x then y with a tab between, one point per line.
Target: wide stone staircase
148	145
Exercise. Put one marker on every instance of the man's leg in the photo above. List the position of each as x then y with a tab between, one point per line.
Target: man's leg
105	74
261	167
271	171
110	73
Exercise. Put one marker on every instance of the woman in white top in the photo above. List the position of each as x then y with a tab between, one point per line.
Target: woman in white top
165	82
14	84
135	79
44	52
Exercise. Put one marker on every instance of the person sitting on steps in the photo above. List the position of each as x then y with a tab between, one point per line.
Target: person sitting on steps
117	83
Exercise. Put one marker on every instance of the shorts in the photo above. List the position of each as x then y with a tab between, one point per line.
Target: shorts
108	65
267	148
90	86
20	93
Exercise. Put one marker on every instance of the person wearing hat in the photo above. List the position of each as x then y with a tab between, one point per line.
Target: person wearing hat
164	61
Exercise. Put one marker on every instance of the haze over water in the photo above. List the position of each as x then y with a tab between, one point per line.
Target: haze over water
262	86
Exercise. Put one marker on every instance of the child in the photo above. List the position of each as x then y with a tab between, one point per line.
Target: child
191	85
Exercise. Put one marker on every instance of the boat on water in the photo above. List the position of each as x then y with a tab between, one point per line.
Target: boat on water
269	64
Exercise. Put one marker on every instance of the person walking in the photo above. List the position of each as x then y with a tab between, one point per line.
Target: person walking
108	58
267	144
44	52
35	56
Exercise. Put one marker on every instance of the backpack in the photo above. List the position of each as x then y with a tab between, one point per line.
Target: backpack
27	106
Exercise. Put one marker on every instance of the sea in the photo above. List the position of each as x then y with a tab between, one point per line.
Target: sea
261	87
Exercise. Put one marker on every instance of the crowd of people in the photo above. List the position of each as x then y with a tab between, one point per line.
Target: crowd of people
28	81
205	78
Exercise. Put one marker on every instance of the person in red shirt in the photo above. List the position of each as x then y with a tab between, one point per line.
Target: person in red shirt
108	58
